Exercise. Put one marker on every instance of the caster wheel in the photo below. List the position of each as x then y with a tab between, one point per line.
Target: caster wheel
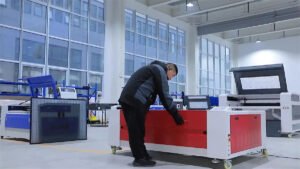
113	149
265	152
227	164
215	161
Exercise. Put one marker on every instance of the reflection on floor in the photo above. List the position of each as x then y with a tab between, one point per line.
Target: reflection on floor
95	153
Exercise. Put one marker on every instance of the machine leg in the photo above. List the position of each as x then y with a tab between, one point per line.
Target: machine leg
227	164
215	161
115	148
2	137
265	153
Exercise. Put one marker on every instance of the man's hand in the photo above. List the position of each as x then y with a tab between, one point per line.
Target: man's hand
178	119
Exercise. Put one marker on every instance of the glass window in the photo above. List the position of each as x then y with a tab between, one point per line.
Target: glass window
59	23
10	44
227	61
203	61
173	36
33	49
58	53
223	67
210	79
172	88
80	7
223	52
96	80
9	72
151	47
77	78
181	88
203	90
163	50
140	23
29	71
58	75
129	64
210	48
203	78
78	57
97	33
228	83
217	78
152	27
148	61
129	41
10	12
79	28
139	62
147	39
140	45
61	3
217	65
211	91
181	56
129	20
210	64
172	45
181	38
217	81
223	82
97	10
204	46
217	50
181	74
96	59
163	32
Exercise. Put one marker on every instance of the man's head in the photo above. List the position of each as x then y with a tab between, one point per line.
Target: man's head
172	70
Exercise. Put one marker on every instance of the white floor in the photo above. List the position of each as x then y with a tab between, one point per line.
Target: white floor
95	153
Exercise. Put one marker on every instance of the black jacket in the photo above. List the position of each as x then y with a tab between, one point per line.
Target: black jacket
143	86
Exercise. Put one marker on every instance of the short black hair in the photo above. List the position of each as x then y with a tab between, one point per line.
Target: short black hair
174	65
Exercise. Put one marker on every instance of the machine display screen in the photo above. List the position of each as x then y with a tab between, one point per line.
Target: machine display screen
198	105
197	102
262	82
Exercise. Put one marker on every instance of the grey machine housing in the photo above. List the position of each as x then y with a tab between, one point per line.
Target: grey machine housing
264	88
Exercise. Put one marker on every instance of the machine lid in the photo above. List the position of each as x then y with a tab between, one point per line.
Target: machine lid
265	79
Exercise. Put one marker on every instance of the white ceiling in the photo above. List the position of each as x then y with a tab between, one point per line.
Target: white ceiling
240	21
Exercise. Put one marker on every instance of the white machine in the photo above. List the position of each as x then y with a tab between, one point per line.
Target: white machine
219	133
15	119
264	88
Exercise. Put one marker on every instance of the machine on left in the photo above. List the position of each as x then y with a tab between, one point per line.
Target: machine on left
39	119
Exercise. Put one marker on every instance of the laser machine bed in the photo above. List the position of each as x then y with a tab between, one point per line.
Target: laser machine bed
264	88
217	133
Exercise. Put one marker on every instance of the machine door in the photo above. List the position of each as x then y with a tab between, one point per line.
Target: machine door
161	129
245	132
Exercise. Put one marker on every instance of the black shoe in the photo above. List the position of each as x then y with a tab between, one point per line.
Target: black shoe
148	157
143	163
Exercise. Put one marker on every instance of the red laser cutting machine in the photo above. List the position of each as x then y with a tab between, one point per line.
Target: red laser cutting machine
219	133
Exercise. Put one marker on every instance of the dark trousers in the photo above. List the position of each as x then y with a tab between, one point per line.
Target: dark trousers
135	119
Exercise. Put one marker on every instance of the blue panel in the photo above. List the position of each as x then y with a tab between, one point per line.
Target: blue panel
214	101
20	121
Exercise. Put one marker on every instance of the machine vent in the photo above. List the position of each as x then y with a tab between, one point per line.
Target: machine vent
295	98
296	126
296	112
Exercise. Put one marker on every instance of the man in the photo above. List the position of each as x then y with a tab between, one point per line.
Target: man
137	96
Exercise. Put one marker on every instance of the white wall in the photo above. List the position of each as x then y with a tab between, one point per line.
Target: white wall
286	51
114	50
